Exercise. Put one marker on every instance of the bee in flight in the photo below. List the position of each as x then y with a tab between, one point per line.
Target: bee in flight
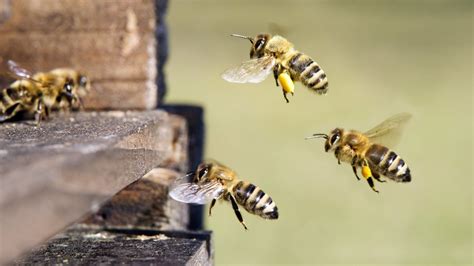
361	150
213	181
276	54
40	93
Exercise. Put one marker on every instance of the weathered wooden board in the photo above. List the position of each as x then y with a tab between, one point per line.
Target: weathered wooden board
144	204
88	246
54	174
120	95
53	16
99	55
112	42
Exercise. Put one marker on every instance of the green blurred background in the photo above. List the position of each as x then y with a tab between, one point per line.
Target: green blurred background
381	58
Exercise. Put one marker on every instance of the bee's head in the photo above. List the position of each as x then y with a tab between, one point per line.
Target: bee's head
202	171
83	85
258	44
331	140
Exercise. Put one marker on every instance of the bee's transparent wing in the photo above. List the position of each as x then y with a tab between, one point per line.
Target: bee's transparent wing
189	192
390	130
18	71
252	71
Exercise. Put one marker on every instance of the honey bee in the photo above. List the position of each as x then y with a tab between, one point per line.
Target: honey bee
275	53
80	87
213	181
21	97
361	150
37	94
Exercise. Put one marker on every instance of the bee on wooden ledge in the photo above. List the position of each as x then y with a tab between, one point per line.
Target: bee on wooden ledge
36	95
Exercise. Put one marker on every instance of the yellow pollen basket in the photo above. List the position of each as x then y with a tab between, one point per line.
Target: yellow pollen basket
286	83
366	171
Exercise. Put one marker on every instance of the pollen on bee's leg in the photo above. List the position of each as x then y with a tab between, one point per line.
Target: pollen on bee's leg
366	172
286	83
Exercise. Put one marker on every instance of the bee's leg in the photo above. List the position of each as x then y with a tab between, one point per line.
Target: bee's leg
286	98
354	166
46	112
237	212
276	72
367	174
377	177
371	184
39	112
212	205
354	169
81	104
337	151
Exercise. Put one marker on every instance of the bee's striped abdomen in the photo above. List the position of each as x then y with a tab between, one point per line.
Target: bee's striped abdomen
9	99
303	68
3	101
8	96
388	163
255	201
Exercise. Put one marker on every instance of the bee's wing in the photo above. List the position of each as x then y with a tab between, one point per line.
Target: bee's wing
252	71
390	130
189	192
18	71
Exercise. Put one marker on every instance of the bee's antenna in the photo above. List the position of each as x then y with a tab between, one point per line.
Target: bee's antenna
243	37
318	135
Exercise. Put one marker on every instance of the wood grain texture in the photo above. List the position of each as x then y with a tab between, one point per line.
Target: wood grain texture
56	173
109	41
52	16
144	204
92	246
99	55
116	94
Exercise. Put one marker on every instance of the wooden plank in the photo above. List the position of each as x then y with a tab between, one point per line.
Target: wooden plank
53	16
107	40
99	55
88	246
54	174
121	95
144	204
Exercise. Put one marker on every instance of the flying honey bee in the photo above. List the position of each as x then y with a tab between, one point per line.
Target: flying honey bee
275	53
38	94
213	181
361	150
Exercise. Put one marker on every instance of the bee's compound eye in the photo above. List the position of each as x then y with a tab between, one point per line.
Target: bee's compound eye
202	172
68	87
259	43
334	138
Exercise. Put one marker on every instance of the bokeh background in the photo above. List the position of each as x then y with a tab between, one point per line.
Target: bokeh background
381	58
